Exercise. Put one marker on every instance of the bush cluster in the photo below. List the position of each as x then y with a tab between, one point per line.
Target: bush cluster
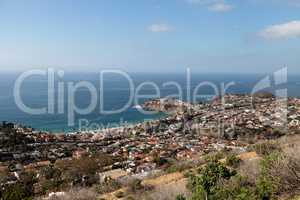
279	174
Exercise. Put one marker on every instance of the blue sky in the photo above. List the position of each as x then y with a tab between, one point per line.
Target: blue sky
244	36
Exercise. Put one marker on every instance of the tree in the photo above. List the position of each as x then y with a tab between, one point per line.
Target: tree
204	185
16	192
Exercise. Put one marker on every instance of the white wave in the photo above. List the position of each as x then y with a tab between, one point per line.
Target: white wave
137	107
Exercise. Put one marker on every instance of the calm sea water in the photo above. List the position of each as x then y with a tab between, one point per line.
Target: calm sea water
116	95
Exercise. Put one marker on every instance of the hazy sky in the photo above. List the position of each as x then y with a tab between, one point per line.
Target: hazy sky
150	35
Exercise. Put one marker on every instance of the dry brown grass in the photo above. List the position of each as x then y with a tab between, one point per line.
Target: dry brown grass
165	179
76	194
250	169
284	168
287	169
113	195
162	188
167	191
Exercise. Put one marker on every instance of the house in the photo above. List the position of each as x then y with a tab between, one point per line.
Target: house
146	167
79	153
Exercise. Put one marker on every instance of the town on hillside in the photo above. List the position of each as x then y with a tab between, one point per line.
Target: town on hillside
232	122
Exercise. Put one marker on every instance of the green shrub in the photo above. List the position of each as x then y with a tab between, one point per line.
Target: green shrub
278	175
267	184
237	188
232	161
179	167
16	192
51	185
180	197
215	156
265	188
206	183
22	190
50	172
266	148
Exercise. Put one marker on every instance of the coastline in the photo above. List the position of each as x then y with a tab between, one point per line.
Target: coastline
187	132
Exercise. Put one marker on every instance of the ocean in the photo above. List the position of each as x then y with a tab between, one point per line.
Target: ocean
116	93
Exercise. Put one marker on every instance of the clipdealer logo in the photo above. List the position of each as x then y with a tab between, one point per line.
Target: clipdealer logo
61	93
